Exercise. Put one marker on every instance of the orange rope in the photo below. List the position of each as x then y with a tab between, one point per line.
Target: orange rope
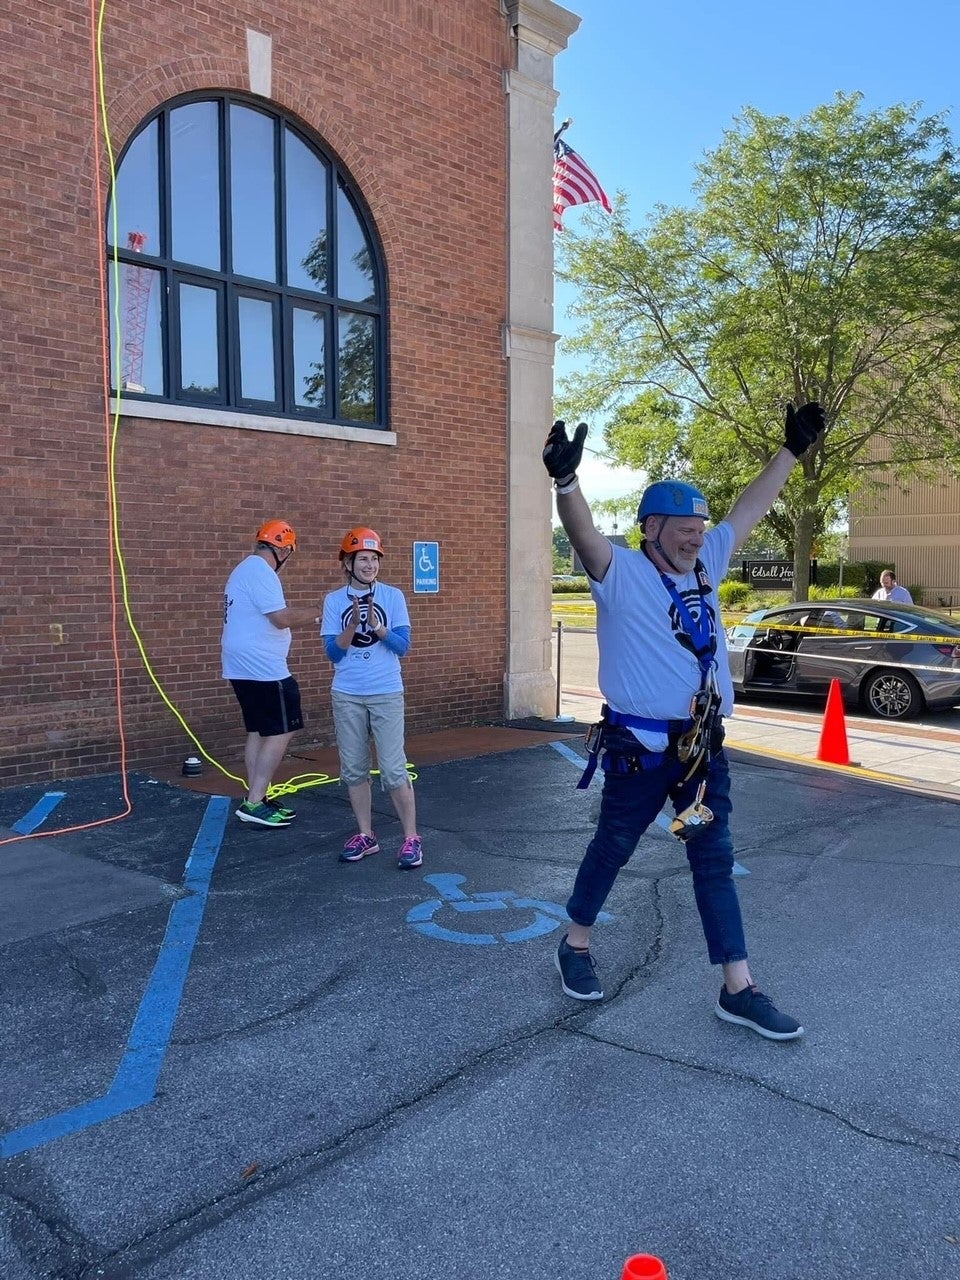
96	24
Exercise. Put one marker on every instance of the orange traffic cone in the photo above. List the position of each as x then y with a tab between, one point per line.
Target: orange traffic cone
644	1266
833	736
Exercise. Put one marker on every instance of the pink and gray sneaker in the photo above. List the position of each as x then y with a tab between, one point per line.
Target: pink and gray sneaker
411	854
359	846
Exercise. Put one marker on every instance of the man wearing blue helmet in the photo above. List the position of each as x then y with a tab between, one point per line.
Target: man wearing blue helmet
666	683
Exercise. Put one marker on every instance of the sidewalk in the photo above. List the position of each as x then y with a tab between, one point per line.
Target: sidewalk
911	754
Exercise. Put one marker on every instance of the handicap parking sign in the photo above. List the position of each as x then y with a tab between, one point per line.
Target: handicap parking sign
426	567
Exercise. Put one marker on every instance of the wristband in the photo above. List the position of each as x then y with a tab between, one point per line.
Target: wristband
567	486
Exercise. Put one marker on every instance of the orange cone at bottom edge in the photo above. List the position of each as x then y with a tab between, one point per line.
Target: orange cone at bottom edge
644	1266
833	736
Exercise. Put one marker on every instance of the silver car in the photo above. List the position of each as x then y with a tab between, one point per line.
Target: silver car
894	660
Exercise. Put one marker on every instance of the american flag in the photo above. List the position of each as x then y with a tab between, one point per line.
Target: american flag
573	183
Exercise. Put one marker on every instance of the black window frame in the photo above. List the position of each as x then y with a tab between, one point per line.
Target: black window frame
231	286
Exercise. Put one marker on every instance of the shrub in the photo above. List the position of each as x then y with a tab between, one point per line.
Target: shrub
767	599
571	586
733	595
847	592
862	577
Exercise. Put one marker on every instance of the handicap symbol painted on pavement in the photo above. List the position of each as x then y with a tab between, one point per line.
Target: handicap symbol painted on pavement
547	916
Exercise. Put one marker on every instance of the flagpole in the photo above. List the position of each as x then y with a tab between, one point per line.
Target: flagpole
564	126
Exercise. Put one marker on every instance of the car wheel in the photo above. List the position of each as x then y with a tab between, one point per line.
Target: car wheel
891	695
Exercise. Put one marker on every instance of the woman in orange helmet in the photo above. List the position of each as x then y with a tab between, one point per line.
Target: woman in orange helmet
366	631
254	646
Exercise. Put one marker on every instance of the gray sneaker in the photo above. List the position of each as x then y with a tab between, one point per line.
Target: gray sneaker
578	973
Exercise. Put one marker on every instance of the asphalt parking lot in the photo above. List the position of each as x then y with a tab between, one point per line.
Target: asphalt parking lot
227	1055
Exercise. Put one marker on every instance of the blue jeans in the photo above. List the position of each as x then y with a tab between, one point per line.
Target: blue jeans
630	802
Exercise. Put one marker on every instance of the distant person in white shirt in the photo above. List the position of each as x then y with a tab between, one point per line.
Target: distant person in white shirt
890	589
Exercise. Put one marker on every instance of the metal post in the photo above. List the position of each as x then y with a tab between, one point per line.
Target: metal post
559	661
558	717
840	582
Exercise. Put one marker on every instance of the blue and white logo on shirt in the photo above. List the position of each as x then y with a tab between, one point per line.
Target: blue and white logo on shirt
371	617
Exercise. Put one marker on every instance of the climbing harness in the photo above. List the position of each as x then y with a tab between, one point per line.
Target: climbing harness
692	741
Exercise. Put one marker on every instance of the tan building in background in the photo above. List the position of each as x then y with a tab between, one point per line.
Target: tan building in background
914	528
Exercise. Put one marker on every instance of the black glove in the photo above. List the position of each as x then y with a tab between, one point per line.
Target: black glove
561	456
803	426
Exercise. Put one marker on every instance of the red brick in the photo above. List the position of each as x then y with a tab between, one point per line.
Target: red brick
410	96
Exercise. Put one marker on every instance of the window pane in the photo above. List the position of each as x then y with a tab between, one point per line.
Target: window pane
140	337
309	379
199	341
357	383
195	184
253	203
306	216
138	194
354	260
258	377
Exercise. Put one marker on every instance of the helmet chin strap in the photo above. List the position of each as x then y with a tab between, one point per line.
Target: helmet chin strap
352	578
658	547
277	562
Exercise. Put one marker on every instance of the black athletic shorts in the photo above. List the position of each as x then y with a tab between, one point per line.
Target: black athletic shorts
270	707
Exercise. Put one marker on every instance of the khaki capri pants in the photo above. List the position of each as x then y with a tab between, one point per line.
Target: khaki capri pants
355	718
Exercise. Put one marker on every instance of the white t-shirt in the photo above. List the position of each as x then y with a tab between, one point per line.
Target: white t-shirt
647	664
895	593
252	647
368	665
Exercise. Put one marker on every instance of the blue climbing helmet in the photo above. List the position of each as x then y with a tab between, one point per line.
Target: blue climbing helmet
672	498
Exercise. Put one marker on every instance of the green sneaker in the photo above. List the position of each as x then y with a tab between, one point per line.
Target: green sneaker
289	814
262	814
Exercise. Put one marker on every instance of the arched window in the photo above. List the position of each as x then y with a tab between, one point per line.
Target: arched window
251	277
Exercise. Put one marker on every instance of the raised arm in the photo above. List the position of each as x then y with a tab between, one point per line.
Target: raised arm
802	427
561	457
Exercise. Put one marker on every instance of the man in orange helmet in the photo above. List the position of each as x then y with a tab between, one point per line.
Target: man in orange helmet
254	646
366	631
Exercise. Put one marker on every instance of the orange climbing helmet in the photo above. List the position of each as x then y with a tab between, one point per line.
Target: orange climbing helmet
361	540
277	533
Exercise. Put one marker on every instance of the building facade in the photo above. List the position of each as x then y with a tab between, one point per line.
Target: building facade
915	529
320	287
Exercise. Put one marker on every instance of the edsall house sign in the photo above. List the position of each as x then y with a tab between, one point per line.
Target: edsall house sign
774	575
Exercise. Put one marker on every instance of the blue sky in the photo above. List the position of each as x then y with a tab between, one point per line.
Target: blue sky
652	87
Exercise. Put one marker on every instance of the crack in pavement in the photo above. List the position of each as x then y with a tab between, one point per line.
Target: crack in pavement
305	1002
284	1172
929	1143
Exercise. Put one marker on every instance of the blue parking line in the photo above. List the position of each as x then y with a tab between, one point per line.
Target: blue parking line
569	753
39	813
135	1082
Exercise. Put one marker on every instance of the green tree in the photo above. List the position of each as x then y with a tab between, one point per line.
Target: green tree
821	261
562	551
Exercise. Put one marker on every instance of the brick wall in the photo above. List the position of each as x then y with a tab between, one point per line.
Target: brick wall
410	96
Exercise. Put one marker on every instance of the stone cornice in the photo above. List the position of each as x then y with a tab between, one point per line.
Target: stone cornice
542	23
